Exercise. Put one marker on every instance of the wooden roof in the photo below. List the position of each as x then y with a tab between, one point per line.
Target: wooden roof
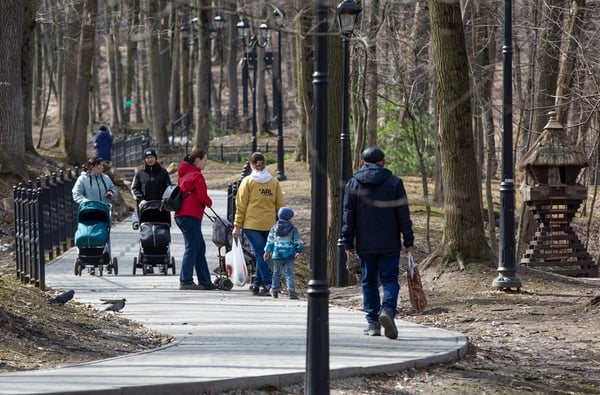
553	149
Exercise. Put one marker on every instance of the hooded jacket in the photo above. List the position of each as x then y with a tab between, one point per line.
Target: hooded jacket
93	186
103	143
257	201
150	182
193	188
284	241
375	212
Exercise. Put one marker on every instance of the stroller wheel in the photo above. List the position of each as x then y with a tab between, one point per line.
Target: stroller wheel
226	284
173	265
144	270
217	282
77	269
134	264
115	266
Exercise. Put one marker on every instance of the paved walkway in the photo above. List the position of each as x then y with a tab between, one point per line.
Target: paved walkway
225	340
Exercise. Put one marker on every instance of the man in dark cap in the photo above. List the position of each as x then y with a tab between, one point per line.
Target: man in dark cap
376	220
150	181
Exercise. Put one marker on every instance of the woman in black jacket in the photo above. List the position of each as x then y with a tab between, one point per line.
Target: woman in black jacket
149	182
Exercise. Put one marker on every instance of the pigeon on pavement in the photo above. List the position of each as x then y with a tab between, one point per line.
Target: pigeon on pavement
62	298
115	305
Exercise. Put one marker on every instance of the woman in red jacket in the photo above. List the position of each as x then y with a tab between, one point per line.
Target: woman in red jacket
189	220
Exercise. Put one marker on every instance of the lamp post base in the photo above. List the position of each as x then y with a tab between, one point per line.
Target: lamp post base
507	281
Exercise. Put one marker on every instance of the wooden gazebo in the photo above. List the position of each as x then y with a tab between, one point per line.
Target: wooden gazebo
553	196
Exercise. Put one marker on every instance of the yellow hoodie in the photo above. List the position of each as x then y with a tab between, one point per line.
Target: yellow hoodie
258	199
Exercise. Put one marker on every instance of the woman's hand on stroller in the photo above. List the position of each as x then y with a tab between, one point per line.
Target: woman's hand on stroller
108	194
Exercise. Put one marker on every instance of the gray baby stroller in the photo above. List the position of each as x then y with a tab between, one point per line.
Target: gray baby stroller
155	240
223	238
92	239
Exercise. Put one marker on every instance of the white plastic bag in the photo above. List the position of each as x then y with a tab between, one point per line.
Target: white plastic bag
239	274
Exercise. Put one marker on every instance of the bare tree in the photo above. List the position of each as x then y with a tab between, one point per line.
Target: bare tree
79	55
12	139
160	121
463	236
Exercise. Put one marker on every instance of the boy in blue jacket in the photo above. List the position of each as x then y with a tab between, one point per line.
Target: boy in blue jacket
283	247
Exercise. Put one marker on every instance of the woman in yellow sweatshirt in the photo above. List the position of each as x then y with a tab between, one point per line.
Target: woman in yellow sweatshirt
258	199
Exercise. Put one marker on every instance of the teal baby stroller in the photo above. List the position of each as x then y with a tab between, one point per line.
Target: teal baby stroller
92	239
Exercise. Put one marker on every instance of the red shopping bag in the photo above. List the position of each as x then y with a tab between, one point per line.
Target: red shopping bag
415	287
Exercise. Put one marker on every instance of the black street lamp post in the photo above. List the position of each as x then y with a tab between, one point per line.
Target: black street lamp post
347	12
277	98
219	24
317	326
250	42
507	277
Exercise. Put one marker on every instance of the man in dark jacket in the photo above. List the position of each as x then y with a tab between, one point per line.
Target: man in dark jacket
375	219
149	182
103	143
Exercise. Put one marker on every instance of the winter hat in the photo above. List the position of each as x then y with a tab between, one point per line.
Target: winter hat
373	155
150	152
285	213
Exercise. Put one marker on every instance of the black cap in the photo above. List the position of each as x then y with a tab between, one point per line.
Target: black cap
373	155
150	152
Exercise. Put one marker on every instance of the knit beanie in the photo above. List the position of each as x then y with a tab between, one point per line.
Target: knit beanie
285	213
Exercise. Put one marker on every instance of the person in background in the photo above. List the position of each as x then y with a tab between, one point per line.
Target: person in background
149	182
258	198
189	220
283	247
94	184
377	217
103	143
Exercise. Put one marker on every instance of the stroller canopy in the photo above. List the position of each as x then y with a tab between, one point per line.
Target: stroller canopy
93	210
152	212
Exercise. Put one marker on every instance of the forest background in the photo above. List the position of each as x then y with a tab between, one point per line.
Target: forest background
425	83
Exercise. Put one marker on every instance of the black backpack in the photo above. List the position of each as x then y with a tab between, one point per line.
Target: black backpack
172	198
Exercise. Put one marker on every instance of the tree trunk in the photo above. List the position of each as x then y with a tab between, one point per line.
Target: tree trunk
130	69
545	73
304	66
12	138
334	171
568	59
463	236
157	81
371	74
201	111
77	149
68	69
27	51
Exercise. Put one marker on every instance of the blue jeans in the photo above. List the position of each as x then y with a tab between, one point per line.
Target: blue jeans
288	269
194	255
257	240
384	268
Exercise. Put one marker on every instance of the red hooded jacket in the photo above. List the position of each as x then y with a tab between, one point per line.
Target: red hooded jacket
192	180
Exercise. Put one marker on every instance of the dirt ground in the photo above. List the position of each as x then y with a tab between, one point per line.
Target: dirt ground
540	340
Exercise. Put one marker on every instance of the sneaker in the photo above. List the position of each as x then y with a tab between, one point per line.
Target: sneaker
254	290
274	294
373	329
207	287
264	292
386	319
293	295
189	287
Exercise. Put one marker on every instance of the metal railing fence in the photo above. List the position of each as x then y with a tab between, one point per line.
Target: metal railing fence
45	222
